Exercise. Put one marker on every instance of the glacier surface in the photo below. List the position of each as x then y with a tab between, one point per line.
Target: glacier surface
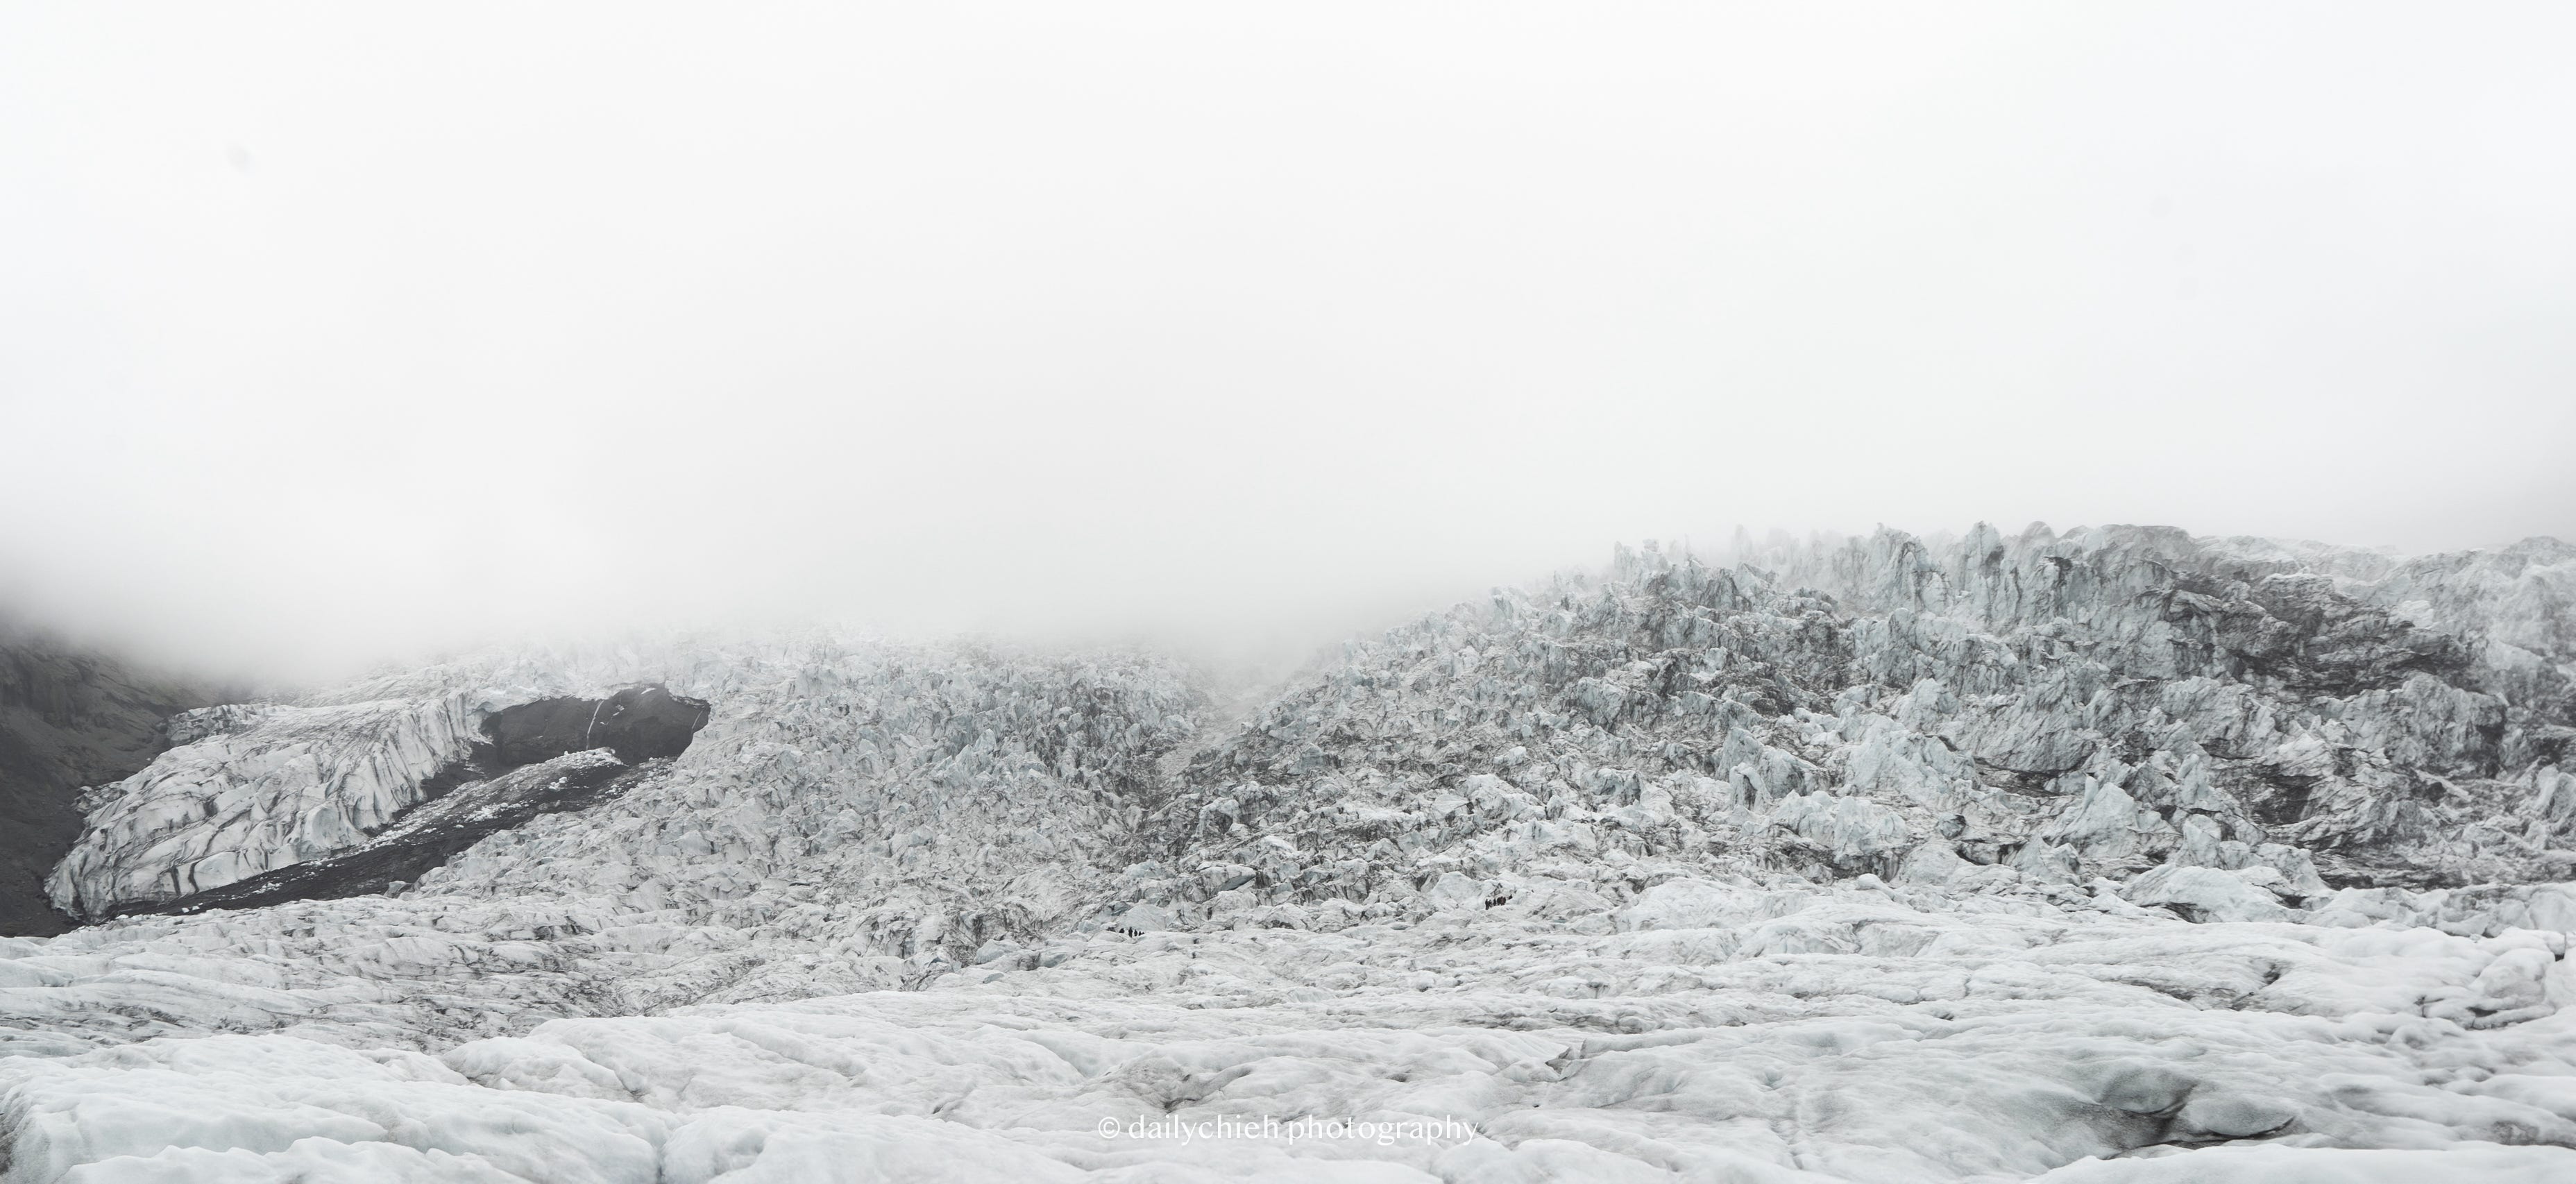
2121	855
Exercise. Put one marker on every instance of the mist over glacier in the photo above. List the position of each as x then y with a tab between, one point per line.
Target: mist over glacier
1147	592
367	336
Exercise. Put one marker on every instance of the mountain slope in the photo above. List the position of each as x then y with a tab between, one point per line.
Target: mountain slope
68	719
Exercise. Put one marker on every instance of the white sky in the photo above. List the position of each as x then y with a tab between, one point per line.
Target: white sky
329	333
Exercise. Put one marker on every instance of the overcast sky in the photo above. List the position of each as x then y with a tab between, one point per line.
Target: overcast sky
333	333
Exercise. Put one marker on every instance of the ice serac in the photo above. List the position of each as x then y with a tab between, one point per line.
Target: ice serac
2051	709
2519	600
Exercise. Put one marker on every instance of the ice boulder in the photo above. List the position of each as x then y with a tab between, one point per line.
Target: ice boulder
1932	864
2205	894
1691	904
1851	829
1455	892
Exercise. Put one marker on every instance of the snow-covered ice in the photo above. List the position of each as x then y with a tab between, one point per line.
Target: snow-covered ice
2117	856
1720	1031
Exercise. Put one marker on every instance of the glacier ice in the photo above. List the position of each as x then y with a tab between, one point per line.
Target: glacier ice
2118	855
256	790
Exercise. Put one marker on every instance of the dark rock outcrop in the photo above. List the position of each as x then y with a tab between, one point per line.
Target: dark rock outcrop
68	719
637	723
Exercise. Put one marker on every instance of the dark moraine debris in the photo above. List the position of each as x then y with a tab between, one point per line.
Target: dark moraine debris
432	834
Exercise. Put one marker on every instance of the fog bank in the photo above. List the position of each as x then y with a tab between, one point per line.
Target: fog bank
330	336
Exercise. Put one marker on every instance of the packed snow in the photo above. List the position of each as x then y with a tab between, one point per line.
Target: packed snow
2117	856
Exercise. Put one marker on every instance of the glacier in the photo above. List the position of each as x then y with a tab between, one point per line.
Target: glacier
2116	855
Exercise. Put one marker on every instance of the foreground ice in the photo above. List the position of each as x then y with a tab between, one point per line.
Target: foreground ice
1712	1031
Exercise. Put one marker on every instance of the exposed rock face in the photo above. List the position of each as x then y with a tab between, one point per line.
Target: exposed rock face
67	719
636	723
